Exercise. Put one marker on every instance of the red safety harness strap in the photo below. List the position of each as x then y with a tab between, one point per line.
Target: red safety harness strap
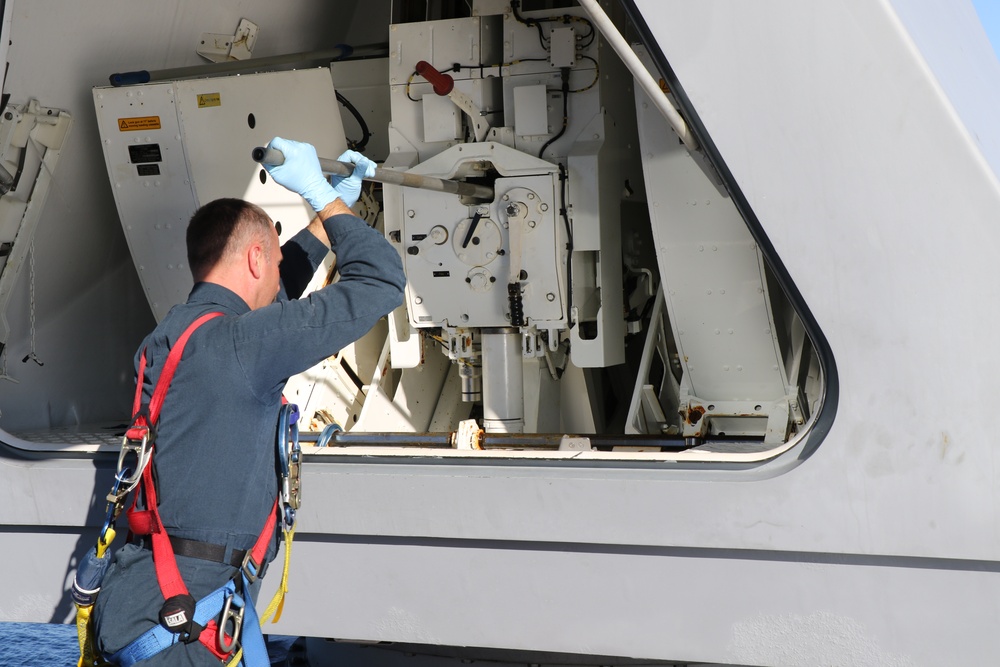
209	636
147	522
167	375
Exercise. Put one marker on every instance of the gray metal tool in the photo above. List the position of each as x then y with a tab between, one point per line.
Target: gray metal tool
481	192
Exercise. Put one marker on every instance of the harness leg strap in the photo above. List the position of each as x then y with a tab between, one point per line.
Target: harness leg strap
158	638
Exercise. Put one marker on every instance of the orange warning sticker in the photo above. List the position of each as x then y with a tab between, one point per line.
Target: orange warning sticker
209	100
140	123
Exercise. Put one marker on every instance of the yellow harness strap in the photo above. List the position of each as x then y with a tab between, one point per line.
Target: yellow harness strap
84	633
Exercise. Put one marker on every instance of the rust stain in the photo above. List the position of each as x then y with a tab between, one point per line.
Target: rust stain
695	414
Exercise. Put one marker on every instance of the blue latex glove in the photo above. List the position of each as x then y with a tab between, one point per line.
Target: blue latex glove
301	173
348	188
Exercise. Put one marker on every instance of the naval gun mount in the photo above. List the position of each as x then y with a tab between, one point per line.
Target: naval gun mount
489	280
525	310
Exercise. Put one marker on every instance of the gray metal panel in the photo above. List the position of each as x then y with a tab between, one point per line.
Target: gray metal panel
712	272
154	224
201	152
750	608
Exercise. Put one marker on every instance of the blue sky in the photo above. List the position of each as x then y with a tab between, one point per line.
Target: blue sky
989	14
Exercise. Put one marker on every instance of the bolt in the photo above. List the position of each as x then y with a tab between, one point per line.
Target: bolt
544	207
550	296
410	213
418	300
413	250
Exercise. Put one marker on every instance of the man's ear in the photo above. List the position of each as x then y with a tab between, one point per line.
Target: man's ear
255	257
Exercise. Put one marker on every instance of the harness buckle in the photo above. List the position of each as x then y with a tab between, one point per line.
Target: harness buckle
224	644
250	567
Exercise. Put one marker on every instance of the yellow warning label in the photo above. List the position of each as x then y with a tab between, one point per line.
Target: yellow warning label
209	100
140	123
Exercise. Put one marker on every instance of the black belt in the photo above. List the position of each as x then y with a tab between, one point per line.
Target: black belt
203	550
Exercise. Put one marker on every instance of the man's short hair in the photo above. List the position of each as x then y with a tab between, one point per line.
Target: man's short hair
221	226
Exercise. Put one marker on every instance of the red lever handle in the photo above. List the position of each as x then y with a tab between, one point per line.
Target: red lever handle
443	83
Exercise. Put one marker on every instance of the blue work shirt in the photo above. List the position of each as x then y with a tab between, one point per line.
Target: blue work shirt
215	454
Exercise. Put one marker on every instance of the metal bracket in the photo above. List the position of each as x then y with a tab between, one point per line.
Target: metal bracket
468	435
480	126
43	130
239	46
574	444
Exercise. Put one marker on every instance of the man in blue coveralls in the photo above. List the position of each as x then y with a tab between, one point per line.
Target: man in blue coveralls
215	444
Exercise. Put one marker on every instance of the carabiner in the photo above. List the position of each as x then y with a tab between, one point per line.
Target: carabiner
143	452
115	504
224	644
288	435
289	460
